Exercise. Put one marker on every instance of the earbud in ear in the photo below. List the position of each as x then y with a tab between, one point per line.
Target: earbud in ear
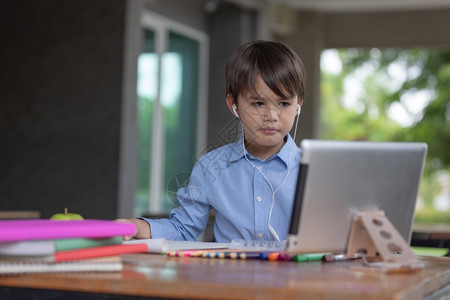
234	110
299	109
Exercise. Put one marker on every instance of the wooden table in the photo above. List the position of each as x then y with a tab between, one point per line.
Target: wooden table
156	276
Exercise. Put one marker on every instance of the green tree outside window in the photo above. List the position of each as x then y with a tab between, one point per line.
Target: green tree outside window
393	95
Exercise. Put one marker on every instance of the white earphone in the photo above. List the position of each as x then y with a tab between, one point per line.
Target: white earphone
271	229
234	110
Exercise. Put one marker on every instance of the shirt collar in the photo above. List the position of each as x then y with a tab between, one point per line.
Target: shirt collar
238	151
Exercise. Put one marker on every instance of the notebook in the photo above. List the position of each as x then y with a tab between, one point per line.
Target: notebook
45	229
338	179
49	247
104	264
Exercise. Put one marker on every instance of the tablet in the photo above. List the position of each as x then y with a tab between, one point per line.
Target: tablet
338	179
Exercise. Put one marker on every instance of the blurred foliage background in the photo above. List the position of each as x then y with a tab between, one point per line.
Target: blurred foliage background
393	95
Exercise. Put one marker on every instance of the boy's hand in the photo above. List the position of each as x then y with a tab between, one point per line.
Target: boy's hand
142	229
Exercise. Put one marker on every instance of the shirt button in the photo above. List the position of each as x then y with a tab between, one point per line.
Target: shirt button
259	199
260	168
260	235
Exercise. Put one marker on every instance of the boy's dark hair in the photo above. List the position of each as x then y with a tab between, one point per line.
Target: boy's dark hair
277	64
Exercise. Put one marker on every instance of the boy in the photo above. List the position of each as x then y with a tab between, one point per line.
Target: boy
251	182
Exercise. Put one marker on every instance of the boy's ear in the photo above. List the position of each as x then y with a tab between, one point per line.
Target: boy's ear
230	103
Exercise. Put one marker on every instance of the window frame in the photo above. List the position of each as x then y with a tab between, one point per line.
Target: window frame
161	26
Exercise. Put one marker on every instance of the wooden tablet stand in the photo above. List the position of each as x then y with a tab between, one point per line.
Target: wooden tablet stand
374	237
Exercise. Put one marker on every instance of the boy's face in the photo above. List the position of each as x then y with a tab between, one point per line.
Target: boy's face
265	117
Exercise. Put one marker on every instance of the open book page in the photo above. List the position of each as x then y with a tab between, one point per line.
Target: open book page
163	245
189	245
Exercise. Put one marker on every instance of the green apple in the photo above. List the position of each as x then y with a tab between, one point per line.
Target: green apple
66	216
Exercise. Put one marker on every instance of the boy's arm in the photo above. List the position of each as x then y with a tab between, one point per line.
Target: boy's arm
142	229
186	221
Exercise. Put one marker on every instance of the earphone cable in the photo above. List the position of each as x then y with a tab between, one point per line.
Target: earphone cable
272	231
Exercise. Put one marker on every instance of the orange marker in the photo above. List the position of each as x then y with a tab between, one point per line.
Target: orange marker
273	256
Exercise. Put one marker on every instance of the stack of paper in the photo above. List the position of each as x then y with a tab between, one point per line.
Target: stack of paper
33	246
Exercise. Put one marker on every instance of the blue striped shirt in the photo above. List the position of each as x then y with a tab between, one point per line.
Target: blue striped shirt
239	193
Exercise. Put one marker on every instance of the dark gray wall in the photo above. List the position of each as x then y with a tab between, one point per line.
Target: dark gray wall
420	28
228	27
188	12
60	101
307	42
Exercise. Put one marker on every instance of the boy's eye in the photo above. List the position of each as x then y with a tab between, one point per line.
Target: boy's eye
284	104
258	103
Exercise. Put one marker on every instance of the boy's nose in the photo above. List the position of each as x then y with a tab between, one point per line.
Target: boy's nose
272	113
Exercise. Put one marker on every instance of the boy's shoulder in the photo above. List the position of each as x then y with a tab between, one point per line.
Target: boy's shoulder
222	154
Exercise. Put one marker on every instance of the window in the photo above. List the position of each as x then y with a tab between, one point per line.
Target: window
171	93
393	95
